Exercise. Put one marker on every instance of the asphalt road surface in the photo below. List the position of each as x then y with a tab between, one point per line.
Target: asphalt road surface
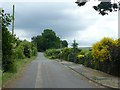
45	73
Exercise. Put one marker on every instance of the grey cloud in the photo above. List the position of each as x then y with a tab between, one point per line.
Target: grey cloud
35	17
38	16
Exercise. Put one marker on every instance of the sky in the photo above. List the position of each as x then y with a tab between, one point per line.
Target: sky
68	20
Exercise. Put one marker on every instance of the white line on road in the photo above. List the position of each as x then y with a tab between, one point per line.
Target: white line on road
38	83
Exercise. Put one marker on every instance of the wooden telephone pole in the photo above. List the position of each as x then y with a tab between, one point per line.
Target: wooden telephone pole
13	21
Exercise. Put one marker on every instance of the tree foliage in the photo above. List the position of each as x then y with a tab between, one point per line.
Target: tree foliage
100	49
103	7
8	41
48	40
64	43
52	53
65	54
6	18
74	46
106	55
13	49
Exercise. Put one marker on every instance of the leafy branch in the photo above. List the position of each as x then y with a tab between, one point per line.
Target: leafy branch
104	7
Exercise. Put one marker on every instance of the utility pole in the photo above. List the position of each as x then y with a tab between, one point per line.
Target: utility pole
13	20
1	19
60	49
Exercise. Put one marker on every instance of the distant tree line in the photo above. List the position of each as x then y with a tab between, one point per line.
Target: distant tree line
48	40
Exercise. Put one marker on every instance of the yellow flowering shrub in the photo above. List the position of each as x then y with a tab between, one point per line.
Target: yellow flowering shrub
100	50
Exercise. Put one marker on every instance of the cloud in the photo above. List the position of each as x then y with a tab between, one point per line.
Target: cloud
97	31
38	1
67	19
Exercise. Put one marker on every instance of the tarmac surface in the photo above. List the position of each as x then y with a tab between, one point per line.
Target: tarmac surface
93	75
45	73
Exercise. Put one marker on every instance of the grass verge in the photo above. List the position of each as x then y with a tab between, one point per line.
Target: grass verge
20	65
0	78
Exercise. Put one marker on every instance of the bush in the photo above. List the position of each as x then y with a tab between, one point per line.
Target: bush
80	59
34	51
13	51
101	53
89	62
8	40
65	53
29	49
100	49
106	56
52	53
19	52
71	57
115	58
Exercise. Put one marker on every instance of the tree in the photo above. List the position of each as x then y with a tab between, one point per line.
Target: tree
6	18
38	42
75	46
64	43
47	40
72	55
8	41
103	7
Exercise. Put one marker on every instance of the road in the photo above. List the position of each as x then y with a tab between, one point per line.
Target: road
45	73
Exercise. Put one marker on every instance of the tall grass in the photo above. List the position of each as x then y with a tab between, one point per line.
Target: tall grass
0	78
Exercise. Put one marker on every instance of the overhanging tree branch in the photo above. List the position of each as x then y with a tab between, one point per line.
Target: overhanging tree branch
104	7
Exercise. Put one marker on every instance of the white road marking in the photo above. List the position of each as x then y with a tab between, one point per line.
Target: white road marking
38	83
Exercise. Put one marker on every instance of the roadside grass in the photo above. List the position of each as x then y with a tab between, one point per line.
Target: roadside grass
0	79
20	65
0	68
